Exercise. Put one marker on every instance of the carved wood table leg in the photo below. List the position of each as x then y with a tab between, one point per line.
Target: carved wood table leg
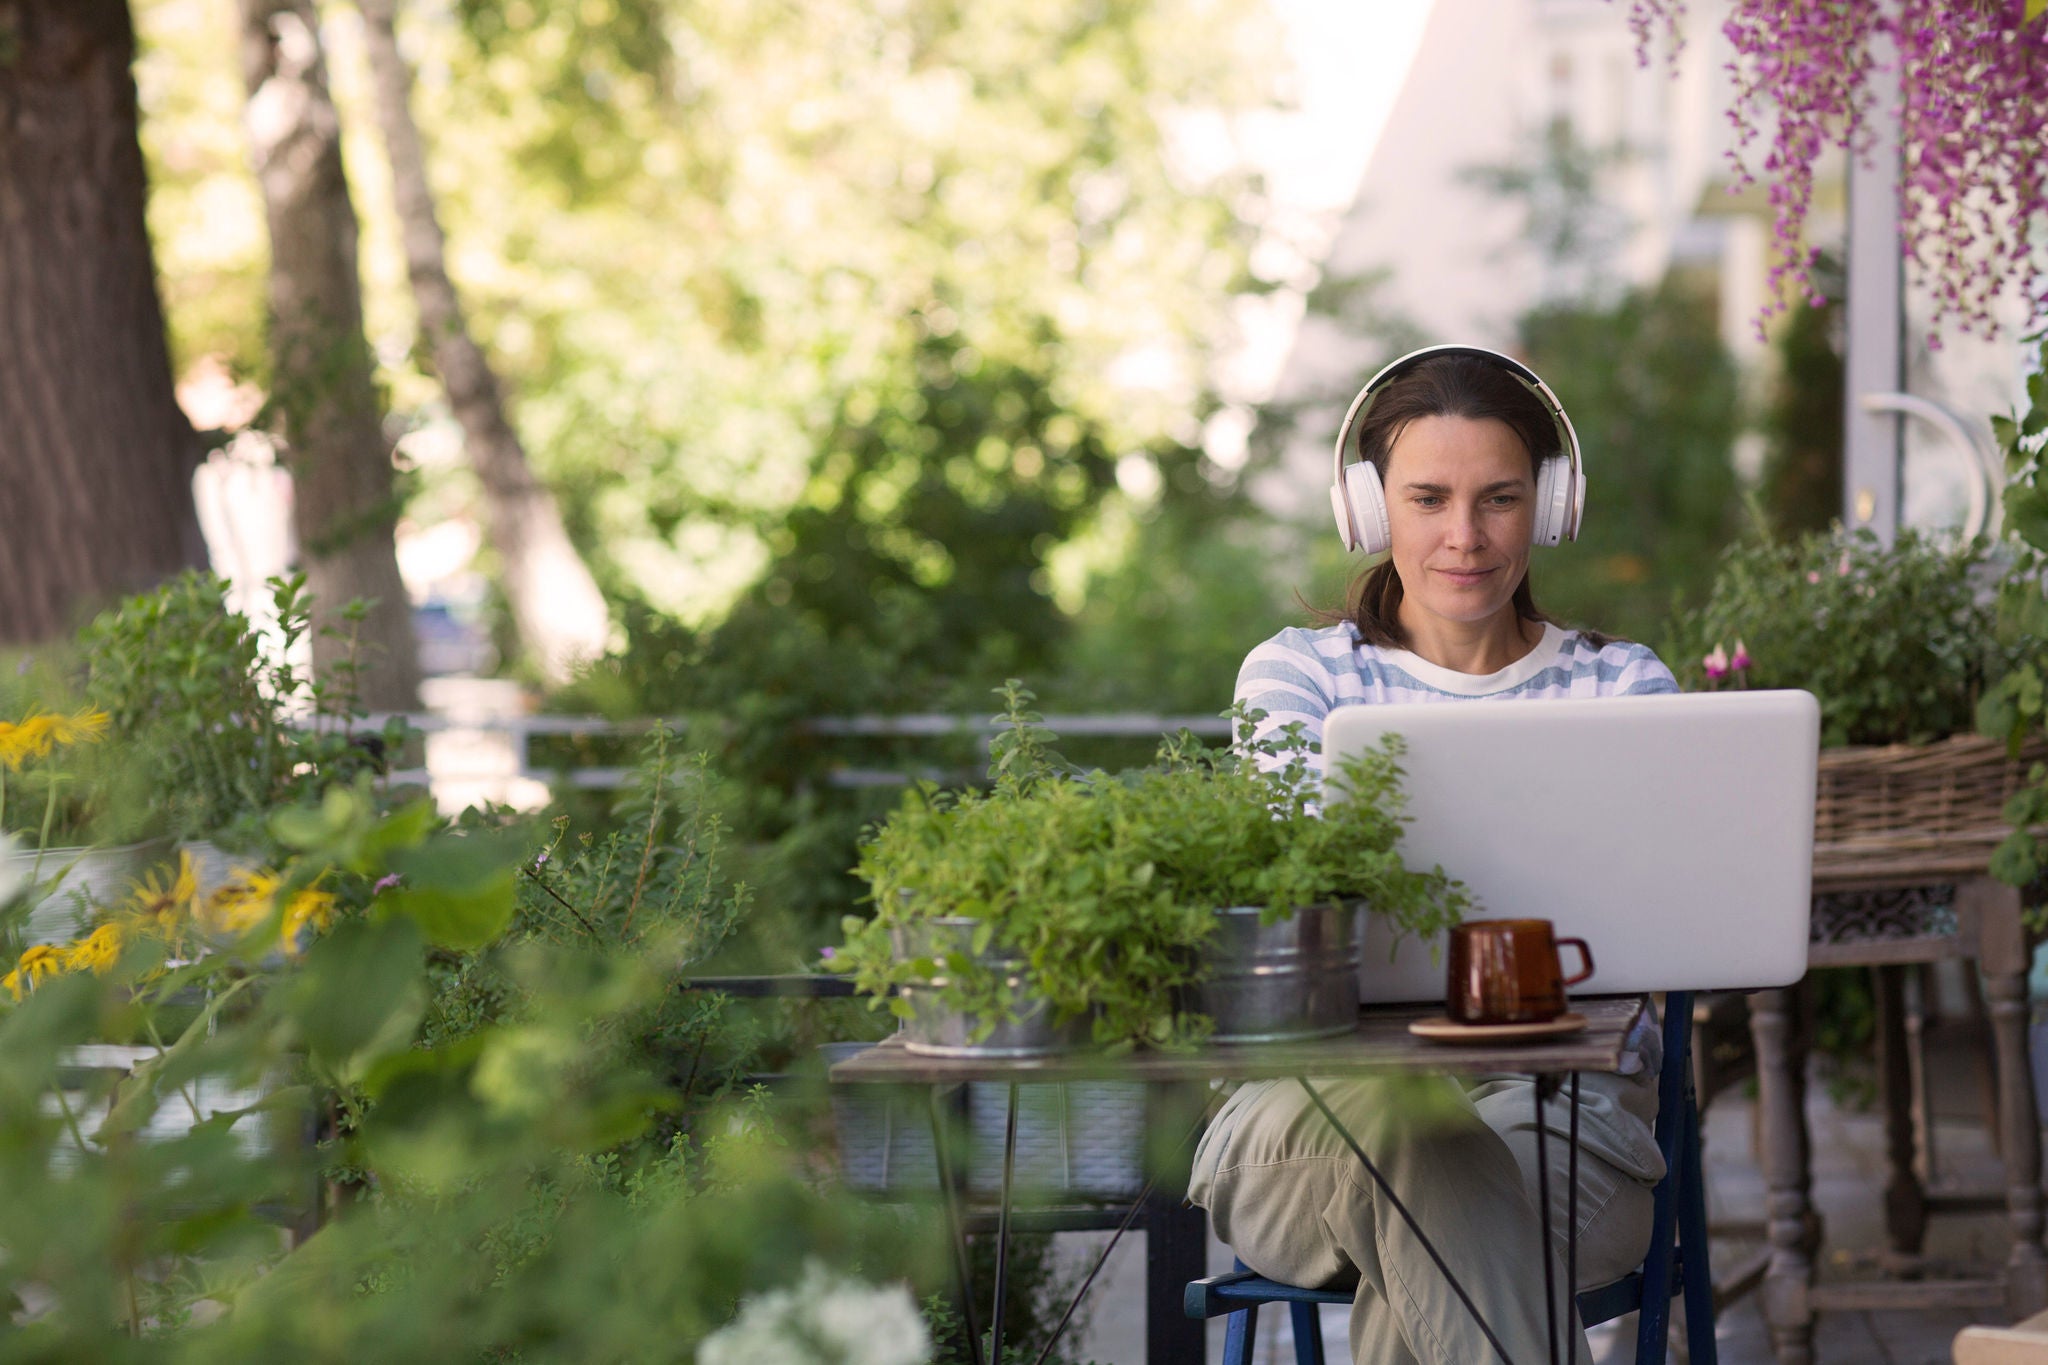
2004	955
1780	1068
1905	1198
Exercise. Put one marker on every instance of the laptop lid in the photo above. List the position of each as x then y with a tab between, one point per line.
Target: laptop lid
1674	833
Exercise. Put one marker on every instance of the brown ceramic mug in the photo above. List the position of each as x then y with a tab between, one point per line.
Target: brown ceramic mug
1507	971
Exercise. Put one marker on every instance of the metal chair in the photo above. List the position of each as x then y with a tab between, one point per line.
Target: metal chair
1676	1263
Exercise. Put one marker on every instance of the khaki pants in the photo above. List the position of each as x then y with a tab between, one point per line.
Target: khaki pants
1289	1197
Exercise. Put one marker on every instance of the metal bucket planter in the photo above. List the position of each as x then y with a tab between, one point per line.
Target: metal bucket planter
79	880
884	1132
938	1030
1081	1140
1282	982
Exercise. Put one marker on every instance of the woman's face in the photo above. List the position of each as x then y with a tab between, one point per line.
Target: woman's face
1461	503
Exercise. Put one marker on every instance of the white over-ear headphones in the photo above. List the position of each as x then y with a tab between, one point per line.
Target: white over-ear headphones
1360	502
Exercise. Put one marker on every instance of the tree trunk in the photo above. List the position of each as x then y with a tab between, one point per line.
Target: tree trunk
345	502
556	606
96	460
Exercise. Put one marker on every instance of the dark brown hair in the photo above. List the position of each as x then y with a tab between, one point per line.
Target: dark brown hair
1466	386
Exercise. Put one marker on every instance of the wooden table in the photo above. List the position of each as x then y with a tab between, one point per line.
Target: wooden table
1380	1045
1889	918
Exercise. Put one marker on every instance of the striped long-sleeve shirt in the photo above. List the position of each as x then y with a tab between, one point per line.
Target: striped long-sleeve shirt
1303	675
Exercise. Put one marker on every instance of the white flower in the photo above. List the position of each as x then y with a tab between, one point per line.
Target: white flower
827	1319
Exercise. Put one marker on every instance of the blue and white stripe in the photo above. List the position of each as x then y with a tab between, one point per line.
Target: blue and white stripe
1303	675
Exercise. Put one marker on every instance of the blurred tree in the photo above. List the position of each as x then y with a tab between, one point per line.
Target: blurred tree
345	502
96	460
905	304
748	222
1653	393
559	614
1802	477
1656	402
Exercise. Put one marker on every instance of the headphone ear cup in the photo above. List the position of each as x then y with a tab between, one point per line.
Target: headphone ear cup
1366	501
1553	478
1340	504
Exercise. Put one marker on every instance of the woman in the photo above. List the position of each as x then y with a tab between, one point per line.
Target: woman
1464	463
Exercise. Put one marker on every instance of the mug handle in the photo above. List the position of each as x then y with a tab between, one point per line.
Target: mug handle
1585	954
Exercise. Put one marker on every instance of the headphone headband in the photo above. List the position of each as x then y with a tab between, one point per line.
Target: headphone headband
1551	527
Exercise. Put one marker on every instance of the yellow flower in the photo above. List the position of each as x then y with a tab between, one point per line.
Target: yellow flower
28	739
39	962
97	952
80	727
160	902
309	910
240	904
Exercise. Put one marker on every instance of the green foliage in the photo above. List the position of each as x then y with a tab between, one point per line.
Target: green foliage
510	1201
1653	395
1801	488
219	720
1897	643
654	891
2017	708
1164	628
742	263
1105	885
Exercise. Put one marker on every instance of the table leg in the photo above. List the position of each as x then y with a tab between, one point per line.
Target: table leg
1176	1251
1543	1246
1780	1066
951	1199
995	1331
1905	1198
1571	1227
2004	954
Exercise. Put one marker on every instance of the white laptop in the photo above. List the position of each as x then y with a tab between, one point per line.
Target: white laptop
1674	833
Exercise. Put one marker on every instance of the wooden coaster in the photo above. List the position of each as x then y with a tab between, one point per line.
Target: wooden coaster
1451	1031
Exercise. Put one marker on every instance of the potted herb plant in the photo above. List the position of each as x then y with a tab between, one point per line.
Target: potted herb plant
220	718
1008	919
1899	644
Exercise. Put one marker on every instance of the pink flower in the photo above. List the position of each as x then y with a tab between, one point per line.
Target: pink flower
1842	565
1813	576
385	883
1741	659
1716	663
828	952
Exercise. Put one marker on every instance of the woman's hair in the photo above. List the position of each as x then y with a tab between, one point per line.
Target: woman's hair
1454	385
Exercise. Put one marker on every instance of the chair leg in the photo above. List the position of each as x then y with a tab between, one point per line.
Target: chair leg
1695	1266
1240	1331
1308	1333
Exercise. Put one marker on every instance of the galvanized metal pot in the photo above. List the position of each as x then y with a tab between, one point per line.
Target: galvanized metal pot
937	1029
77	881
1281	982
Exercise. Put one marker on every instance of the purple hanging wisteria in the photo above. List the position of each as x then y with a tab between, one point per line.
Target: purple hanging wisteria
1973	131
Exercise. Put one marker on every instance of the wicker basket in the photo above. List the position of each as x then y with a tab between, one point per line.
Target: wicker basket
1887	812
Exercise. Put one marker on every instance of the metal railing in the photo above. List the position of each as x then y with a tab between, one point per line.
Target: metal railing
492	755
